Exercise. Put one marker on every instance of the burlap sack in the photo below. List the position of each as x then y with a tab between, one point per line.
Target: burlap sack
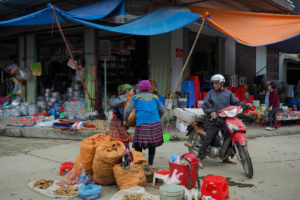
138	157
107	155
134	176
88	148
127	178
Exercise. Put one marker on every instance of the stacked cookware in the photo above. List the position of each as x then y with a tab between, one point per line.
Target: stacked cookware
232	80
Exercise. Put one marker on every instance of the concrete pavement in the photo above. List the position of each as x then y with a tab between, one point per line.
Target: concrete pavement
276	162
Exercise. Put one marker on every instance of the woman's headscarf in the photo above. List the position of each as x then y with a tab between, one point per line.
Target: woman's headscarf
122	89
144	85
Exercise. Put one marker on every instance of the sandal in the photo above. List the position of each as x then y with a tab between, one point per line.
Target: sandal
269	128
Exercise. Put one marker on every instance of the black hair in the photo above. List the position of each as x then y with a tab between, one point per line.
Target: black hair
272	84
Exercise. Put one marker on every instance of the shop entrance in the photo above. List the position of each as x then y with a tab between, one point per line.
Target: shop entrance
204	61
52	55
127	61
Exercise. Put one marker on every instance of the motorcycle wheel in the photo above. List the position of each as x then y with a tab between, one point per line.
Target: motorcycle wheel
246	160
195	142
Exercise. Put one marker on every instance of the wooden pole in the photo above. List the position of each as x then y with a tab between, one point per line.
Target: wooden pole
71	55
179	79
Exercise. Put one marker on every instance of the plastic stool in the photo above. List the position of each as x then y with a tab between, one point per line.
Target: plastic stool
65	166
216	187
163	175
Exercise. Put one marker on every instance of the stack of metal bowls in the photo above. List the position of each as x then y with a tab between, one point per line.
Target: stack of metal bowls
243	80
232	80
15	111
24	108
41	103
32	109
70	93
77	87
76	94
48	94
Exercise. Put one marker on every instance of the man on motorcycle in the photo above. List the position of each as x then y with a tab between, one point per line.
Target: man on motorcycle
215	100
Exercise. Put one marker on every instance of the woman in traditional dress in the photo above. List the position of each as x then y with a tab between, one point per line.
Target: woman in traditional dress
148	110
117	130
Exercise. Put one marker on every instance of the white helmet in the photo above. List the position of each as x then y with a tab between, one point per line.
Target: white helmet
217	78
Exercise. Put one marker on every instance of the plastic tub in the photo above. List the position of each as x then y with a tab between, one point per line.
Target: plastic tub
166	137
171	192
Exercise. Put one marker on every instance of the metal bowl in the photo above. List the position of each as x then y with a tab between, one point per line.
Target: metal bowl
55	94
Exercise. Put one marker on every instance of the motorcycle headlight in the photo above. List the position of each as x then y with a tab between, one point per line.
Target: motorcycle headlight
231	113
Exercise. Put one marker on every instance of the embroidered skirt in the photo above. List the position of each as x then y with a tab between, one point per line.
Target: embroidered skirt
118	131
148	135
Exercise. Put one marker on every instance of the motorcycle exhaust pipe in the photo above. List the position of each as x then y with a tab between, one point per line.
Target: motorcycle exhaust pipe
188	145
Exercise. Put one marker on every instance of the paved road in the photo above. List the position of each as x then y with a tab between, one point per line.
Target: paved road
276	167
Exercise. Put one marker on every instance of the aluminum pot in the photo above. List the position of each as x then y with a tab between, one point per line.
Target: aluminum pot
77	94
77	86
55	94
70	89
32	109
53	100
48	94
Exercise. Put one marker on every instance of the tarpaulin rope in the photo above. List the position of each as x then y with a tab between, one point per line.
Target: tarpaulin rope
71	55
179	79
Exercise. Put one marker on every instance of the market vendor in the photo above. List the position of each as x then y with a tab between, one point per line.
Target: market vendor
148	109
117	130
274	104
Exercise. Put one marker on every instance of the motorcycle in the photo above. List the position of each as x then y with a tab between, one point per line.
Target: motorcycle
232	140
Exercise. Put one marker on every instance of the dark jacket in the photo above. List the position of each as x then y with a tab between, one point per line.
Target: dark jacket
216	100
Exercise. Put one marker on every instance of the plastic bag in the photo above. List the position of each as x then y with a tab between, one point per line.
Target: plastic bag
207	198
174	158
174	179
70	178
85	179
90	192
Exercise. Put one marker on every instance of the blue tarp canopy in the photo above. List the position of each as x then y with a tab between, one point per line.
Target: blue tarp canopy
94	11
160	20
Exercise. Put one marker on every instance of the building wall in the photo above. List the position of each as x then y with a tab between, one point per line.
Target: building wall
261	60
221	55
160	61
89	56
282	68
22	63
176	62
229	56
30	58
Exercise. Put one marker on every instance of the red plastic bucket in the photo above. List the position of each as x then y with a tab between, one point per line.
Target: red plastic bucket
185	170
